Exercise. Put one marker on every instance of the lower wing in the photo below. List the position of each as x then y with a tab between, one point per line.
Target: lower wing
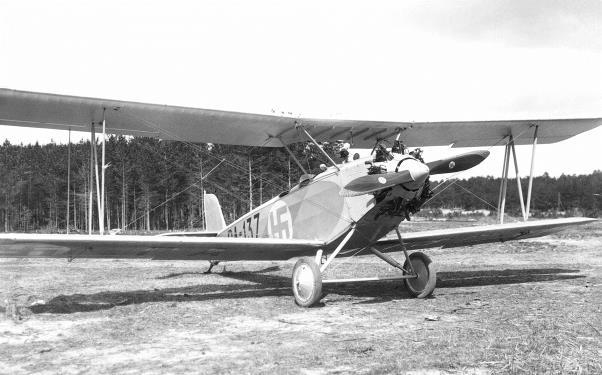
479	234
222	248
152	247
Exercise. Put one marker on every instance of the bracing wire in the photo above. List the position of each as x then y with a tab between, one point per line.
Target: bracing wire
174	136
270	182
453	175
179	165
174	196
442	183
311	201
476	196
231	164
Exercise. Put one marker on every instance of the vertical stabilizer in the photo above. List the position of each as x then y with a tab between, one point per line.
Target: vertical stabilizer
214	219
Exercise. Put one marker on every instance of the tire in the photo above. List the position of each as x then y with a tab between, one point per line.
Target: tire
424	285
307	282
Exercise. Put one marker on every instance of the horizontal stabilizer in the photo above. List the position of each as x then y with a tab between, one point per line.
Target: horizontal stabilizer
189	234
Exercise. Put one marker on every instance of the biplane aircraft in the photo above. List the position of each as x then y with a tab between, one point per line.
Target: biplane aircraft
347	208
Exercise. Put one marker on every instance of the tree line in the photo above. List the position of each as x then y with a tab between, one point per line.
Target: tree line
157	185
566	195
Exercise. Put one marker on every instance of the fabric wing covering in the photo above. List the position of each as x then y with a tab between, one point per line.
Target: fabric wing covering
30	109
222	248
73	246
448	238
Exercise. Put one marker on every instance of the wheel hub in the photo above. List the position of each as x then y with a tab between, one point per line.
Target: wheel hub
304	281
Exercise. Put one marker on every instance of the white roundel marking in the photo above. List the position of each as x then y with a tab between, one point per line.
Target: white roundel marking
280	223
452	164
382	180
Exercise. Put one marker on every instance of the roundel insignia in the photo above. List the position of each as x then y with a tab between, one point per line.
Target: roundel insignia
382	180
452	164
280	223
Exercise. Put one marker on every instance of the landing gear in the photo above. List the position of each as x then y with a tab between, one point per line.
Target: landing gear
212	263
418	273
420	265
307	282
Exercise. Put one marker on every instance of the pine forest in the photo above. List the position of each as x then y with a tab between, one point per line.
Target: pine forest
154	185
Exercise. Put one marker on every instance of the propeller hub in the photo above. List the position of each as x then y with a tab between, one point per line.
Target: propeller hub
418	171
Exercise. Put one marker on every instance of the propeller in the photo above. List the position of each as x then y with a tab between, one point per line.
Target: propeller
374	182
457	163
414	172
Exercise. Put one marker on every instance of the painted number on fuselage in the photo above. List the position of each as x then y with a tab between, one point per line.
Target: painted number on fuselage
280	224
246	228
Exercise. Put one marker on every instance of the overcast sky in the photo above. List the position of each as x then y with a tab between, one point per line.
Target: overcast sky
385	60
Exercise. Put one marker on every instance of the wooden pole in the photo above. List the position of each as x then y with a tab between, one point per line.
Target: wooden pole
97	185
68	179
101	214
91	191
123	199
250	186
74	210
203	216
260	188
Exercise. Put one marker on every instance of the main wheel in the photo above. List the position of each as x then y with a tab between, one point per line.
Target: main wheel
423	285
307	282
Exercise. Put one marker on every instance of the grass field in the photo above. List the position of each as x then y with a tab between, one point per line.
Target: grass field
532	306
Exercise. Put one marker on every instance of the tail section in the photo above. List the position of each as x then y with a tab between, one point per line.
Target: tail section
214	219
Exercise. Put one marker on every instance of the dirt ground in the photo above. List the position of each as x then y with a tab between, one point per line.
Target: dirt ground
526	306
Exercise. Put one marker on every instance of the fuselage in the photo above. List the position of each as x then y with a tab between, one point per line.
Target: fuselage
315	209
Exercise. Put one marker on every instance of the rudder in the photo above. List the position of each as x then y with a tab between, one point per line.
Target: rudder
214	219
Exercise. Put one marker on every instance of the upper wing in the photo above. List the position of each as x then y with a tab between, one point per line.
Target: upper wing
21	108
152	247
480	234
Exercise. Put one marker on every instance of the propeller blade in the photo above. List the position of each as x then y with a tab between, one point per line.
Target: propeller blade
374	182
457	163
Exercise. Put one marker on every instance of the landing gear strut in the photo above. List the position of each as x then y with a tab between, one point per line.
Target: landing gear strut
419	265
307	275
212	263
